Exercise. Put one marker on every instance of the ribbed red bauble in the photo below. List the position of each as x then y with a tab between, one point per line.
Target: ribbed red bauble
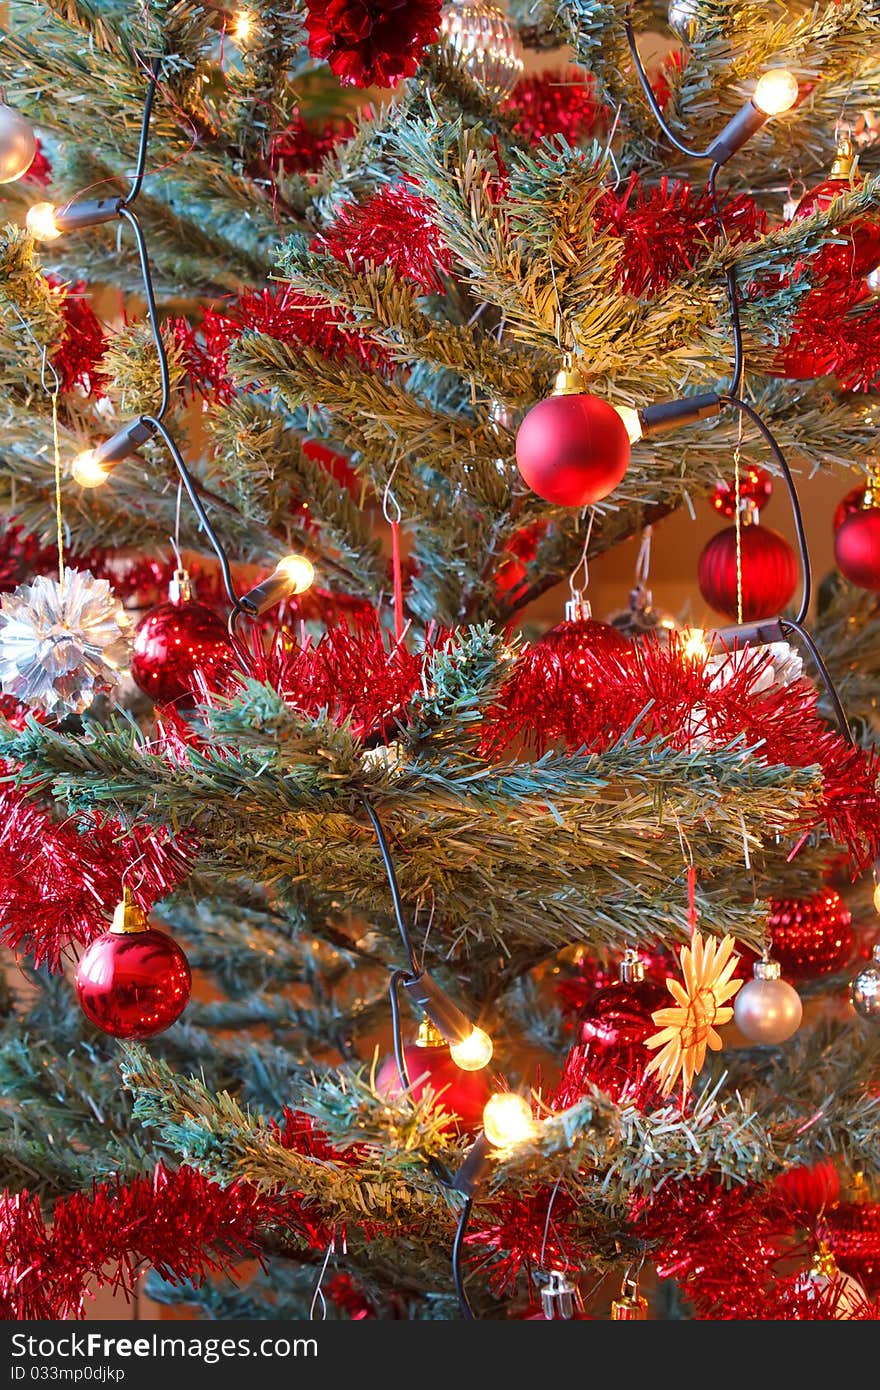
755	488
610	1038
811	936
857	548
133	981
851	502
464	1093
177	641
572	449
769	572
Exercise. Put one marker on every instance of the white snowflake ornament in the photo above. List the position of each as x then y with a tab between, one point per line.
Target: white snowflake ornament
62	642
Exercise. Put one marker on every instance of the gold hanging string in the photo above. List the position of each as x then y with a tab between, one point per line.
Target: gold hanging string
52	392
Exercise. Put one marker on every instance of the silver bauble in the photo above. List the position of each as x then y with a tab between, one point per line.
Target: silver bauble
18	145
683	18
865	990
842	1293
767	1010
487	43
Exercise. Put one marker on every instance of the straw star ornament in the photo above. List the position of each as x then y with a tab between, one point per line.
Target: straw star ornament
687	1029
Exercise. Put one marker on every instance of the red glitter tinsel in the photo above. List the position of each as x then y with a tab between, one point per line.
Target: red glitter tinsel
556	103
59	882
510	1241
394	227
852	1230
83	341
302	147
372	42
181	1223
344	1294
40	168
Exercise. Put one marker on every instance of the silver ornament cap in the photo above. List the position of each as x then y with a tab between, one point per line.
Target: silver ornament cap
560	1298
865	989
767	1009
18	144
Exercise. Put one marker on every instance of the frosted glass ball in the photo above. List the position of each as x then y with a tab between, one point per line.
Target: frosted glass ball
768	1011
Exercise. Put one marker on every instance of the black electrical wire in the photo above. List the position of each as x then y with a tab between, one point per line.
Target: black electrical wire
732	289
398	977
806	573
140	167
650	97
460	1231
415	967
793	625
152	309
192	492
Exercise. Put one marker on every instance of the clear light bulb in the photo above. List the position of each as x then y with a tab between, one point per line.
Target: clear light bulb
507	1119
777	91
693	643
88	471
299	570
242	26
632	422
40	222
474	1052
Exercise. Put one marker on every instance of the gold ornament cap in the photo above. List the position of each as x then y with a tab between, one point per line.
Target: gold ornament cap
630	1306
569	381
871	498
429	1035
824	1264
128	918
845	160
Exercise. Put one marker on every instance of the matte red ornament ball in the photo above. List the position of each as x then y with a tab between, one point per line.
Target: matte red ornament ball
769	572
849	503
572	450
811	936
133	985
610	1038
172	644
857	548
755	486
464	1093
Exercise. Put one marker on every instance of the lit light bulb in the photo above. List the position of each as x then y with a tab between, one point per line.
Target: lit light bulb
507	1119
40	222
877	898
632	422
693	643
88	471
474	1052
242	26
298	570
777	91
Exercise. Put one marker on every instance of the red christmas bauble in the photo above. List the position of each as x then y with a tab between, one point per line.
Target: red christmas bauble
576	645
811	936
174	643
851	502
572	450
610	1042
852	1229
857	548
133	985
464	1093
858	252
755	486
769	572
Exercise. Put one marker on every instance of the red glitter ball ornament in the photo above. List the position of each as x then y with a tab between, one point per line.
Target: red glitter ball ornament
463	1093
852	1230
578	642
755	487
178	645
610	1036
851	502
769	572
572	449
133	981
811	936
857	548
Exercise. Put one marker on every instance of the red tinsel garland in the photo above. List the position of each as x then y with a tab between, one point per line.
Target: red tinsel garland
82	343
302	147
60	882
372	42
510	1241
394	227
556	103
181	1223
40	169
668	229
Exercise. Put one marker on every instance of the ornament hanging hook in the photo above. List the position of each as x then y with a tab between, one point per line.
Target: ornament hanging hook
319	1292
577	590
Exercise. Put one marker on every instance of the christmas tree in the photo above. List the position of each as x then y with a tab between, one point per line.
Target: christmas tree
370	945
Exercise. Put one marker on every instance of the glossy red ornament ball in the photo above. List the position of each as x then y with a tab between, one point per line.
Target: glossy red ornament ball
755	486
464	1093
577	645
858	251
851	502
769	572
857	548
610	1038
174	643
811	936
572	450
134	984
